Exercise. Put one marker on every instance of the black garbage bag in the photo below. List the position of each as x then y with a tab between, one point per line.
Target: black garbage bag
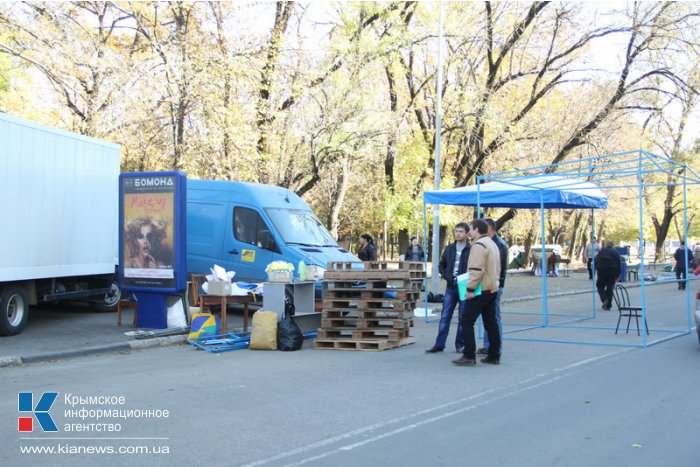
289	335
435	298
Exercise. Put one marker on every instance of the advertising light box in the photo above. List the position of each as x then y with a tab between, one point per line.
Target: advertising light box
152	230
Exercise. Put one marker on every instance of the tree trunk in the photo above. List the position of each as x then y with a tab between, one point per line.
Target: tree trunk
265	116
391	137
574	233
338	200
531	235
403	237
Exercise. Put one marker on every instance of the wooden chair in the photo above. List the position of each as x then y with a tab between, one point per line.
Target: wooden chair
197	296
626	309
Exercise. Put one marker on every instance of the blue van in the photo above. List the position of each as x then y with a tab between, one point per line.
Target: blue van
245	226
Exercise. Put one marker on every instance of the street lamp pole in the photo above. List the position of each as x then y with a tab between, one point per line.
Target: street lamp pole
435	285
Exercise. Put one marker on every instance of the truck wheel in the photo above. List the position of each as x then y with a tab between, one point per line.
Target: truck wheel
110	300
14	311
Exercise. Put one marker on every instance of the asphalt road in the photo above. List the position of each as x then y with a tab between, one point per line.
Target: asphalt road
545	405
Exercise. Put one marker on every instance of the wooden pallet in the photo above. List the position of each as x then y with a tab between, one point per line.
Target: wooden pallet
366	314
374	275
366	323
383	285
384	304
363	334
371	294
382	265
364	344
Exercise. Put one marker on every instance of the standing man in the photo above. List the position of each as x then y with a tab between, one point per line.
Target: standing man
414	252
608	266
485	268
589	253
453	263
503	255
680	256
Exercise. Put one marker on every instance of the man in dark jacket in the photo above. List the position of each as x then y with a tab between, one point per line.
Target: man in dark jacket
414	252
453	263
680	257
607	265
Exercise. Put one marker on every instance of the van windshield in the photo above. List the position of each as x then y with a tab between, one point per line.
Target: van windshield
300	227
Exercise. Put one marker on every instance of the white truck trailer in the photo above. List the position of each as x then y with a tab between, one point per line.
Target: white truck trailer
60	203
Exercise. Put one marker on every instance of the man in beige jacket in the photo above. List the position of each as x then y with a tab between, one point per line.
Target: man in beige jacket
484	267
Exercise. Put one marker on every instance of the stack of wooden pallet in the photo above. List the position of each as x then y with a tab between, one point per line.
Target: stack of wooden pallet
369	306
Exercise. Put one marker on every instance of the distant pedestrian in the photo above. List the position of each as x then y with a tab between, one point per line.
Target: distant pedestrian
484	268
589	253
696	258
452	263
503	255
680	257
368	252
414	252
552	261
608	265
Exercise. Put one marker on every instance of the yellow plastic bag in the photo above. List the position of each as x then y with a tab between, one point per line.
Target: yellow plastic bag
264	333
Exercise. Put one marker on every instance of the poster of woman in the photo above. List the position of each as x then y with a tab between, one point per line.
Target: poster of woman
148	248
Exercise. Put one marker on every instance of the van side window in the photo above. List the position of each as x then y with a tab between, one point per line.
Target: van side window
247	223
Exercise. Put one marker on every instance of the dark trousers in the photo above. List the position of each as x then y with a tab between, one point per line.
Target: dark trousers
680	273
589	265
484	305
605	285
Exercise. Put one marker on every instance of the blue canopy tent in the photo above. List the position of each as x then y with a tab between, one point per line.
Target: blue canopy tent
527	192
573	184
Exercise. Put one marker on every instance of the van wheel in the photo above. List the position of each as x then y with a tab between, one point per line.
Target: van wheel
14	311
110	300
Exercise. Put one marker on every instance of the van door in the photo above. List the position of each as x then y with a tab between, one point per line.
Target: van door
243	248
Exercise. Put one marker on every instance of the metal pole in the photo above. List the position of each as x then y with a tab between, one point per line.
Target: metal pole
640	182
435	285
543	264
685	240
593	281
425	259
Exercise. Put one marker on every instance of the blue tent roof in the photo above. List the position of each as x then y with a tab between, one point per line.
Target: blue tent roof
525	192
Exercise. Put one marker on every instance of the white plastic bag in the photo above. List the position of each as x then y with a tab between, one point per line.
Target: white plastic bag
176	313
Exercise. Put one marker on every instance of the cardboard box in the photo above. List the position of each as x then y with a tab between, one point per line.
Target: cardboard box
219	288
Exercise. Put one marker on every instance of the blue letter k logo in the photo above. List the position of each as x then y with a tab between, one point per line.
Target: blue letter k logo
41	411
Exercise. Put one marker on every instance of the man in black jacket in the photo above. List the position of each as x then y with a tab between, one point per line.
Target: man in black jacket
607	265
680	256
503	254
453	263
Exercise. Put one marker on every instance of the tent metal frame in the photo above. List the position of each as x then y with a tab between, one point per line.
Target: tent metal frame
611	171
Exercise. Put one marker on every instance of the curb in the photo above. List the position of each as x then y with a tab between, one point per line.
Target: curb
124	347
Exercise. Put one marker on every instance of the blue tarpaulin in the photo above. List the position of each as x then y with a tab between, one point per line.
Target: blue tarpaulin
533	192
